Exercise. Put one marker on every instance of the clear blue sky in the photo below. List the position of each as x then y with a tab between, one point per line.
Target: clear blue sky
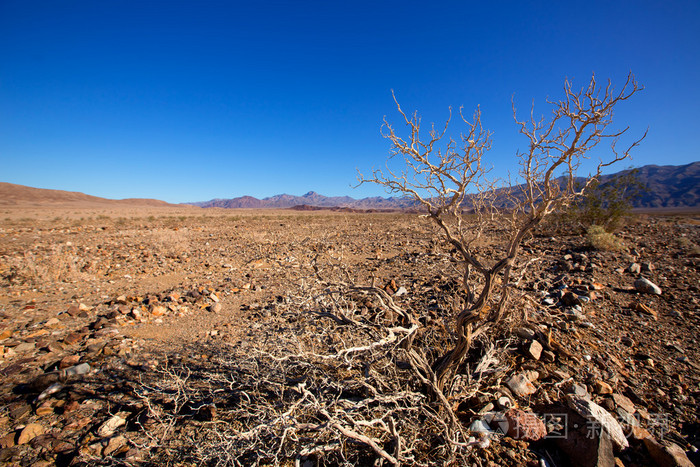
188	101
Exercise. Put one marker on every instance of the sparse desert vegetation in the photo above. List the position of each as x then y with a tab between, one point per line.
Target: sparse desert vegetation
280	337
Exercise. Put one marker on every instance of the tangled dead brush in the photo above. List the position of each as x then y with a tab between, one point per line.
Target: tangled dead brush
347	383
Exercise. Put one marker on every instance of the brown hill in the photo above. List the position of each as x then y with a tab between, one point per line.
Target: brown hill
12	195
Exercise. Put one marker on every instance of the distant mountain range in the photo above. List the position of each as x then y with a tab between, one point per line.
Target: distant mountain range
667	186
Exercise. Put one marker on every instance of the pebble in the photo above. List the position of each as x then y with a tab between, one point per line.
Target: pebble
521	386
644	285
535	350
108	428
601	387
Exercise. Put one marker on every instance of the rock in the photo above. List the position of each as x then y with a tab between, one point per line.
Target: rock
53	389
77	370
601	387
579	390
535	350
69	361
215	308
624	403
19	411
526	333
524	426
634	268
8	440
110	426
159	310
647	267
402	291
642	308
548	356
599	418
114	444
504	402
588	451
520	385
73	338
571	299
25	347
584	447
30	432
644	285
214	297
480	426
44	409
670	455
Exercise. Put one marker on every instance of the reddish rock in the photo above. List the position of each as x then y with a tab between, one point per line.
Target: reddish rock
73	338
8	440
524	426
30	432
69	361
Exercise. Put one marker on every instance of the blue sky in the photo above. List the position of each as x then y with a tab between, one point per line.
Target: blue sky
188	101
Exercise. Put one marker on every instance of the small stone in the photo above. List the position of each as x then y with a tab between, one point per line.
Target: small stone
69	361
521	386
19	411
601	387
634	268
215	308
214	297
30	432
402	291
642	308
579	390
44	409
110	426
571	299
535	350
8	440
526	333
504	403
644	285
480	426
524	426
548	356
5	334
639	433
25	347
114	444
53	322
73	338
159	310
624	402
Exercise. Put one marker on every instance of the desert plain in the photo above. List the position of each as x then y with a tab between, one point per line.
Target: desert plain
158	335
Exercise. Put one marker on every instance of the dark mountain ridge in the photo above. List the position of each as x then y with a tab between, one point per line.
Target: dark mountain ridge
666	186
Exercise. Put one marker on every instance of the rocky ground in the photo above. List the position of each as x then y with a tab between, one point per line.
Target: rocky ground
237	337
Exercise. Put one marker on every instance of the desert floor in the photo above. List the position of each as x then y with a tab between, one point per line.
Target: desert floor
244	337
